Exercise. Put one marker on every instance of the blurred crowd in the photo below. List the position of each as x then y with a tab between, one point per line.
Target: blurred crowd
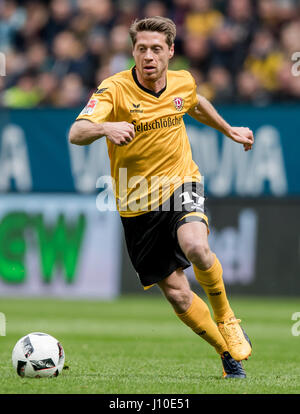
58	51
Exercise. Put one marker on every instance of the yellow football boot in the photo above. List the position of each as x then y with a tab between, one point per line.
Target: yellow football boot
239	345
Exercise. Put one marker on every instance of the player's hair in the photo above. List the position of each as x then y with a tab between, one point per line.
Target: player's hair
154	24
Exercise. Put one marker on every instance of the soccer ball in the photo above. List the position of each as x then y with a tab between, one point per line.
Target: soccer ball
38	355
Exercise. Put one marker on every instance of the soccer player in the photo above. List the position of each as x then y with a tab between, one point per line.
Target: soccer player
140	111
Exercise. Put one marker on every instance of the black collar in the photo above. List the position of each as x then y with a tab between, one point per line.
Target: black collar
156	94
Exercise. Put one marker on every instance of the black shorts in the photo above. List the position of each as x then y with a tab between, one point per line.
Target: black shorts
151	237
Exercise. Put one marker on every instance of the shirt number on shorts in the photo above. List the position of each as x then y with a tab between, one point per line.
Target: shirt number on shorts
195	201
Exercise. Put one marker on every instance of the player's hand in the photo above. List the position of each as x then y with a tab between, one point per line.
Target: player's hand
119	133
242	136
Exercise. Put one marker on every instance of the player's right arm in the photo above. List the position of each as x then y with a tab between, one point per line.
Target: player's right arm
94	121
84	132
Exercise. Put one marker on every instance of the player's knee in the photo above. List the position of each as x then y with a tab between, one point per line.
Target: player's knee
198	252
180	299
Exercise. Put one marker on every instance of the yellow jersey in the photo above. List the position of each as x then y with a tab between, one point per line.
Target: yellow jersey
158	160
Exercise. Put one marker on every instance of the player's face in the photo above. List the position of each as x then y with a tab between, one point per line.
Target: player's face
152	54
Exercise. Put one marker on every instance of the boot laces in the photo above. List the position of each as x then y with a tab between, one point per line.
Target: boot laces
233	332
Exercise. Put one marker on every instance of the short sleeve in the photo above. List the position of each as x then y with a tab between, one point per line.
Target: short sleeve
100	105
194	98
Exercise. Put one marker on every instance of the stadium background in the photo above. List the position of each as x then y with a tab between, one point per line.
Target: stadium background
53	240
55	244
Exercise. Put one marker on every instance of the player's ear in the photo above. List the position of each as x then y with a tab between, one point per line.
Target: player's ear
133	50
171	51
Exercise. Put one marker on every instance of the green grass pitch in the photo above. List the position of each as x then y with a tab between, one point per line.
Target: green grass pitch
136	345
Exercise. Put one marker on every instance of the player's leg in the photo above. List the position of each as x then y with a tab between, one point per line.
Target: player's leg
194	312
192	238
191	309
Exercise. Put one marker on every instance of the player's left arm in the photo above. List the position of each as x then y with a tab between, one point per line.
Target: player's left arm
205	113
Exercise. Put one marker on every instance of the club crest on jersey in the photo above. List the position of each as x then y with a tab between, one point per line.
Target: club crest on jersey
90	107
178	103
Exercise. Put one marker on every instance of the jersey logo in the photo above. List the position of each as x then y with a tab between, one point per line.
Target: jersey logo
136	109
98	91
178	103
90	107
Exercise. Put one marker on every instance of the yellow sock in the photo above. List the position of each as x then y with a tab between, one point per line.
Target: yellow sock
211	281
198	318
